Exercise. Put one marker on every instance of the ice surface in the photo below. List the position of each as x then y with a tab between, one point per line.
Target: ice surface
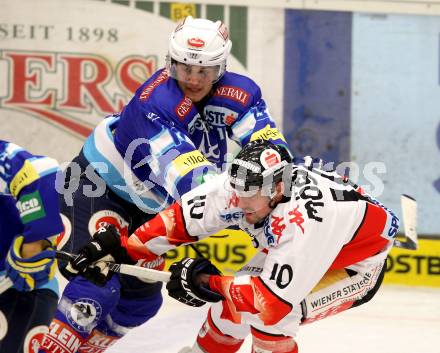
397	320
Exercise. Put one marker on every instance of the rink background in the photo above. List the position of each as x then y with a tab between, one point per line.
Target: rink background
397	320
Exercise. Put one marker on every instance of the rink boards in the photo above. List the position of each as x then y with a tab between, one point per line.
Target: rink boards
230	250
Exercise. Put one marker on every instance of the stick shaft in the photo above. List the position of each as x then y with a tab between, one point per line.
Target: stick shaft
144	273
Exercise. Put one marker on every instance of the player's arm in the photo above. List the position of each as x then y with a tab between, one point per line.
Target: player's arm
30	180
194	281
287	277
165	155
197	213
195	217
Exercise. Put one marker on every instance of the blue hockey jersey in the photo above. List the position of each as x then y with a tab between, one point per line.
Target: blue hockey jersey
162	145
28	199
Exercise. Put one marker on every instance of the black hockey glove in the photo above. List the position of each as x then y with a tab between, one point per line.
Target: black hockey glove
183	282
105	245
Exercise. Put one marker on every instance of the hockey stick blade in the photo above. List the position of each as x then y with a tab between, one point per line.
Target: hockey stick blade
146	274
409	218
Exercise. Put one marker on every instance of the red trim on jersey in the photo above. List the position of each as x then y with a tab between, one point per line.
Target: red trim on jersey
367	240
254	297
168	224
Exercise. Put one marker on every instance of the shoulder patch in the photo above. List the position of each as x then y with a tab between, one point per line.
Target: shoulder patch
31	207
146	93
25	176
234	93
184	107
189	161
267	133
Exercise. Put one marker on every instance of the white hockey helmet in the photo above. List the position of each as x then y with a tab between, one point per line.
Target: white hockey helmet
200	42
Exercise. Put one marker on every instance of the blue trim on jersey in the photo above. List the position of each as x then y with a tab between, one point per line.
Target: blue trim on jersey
165	149
113	177
14	153
49	171
242	121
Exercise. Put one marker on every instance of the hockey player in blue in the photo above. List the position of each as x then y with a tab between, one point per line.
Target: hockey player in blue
168	139
29	223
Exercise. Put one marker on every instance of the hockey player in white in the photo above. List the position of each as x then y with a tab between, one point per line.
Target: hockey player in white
170	137
323	246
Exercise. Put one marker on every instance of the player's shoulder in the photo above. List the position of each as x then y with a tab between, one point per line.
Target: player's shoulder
237	88
233	78
160	96
153	86
10	149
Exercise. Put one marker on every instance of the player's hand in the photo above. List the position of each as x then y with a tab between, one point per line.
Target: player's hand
105	245
98	272
189	282
30	269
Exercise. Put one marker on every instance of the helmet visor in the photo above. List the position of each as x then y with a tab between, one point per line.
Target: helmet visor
193	73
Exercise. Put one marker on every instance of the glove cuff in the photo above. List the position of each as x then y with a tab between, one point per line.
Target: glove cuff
203	291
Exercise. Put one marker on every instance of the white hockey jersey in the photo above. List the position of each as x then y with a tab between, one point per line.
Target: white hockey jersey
326	223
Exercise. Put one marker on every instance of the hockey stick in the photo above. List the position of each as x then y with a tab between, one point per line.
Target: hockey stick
144	273
409	217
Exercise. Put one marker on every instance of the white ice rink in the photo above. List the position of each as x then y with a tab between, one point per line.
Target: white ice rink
396	320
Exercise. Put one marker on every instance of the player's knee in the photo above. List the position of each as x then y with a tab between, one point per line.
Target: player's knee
131	312
81	287
226	326
272	343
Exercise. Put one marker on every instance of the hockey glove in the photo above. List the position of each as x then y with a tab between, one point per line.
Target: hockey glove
33	272
105	245
183	282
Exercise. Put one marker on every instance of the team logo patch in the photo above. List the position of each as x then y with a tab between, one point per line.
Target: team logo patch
104	218
273	229
196	42
34	337
230	119
31	207
84	314
270	158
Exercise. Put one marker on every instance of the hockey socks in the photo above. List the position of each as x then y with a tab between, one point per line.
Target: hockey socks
211	340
